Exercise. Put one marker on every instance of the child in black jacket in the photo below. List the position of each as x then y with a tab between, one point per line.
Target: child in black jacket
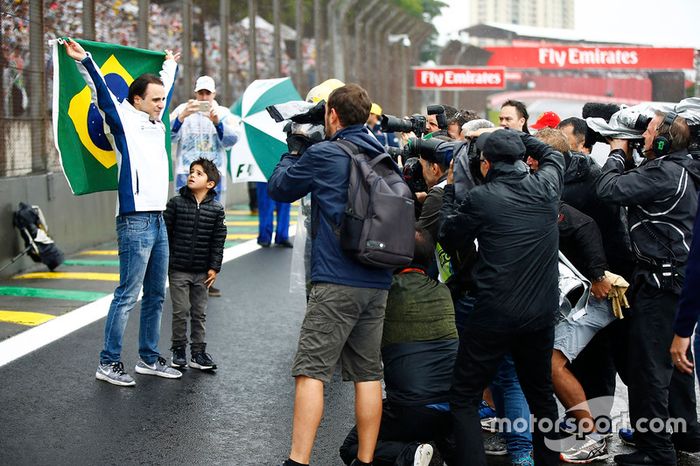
196	233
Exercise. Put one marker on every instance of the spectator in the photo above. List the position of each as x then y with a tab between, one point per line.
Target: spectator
196	225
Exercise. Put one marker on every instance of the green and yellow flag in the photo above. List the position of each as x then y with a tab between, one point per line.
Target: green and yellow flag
88	160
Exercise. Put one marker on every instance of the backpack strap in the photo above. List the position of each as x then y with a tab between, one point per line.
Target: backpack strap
353	151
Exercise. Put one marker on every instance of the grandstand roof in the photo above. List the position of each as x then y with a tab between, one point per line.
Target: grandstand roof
519	32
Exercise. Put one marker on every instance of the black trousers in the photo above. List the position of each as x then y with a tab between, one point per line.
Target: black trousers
656	390
402	429
479	356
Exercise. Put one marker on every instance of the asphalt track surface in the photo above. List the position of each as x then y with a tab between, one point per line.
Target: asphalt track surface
54	412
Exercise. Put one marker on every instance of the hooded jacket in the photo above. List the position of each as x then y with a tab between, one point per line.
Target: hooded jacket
324	171
662	199
513	216
196	232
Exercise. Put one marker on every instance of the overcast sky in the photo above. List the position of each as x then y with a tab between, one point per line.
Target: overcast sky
660	23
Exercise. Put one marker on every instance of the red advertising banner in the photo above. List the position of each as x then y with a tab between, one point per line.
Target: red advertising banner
459	78
592	57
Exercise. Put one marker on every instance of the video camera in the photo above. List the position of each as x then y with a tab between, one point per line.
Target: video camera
303	118
610	121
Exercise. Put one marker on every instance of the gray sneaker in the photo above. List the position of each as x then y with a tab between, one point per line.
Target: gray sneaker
113	373
590	451
495	445
159	368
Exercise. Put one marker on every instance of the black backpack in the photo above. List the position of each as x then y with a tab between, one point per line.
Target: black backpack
378	228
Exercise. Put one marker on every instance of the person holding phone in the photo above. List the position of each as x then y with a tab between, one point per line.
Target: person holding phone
203	129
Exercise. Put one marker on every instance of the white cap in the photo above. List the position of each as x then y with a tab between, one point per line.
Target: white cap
205	83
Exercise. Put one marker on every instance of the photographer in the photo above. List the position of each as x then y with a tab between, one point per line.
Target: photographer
347	299
661	195
513	216
435	163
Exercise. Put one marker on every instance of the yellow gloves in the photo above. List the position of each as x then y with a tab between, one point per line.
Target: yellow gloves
617	293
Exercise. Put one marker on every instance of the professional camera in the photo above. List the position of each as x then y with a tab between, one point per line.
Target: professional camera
415	123
423	148
625	123
303	118
413	175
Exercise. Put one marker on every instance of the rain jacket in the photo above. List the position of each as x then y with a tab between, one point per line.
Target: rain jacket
580	192
662	199
324	171
198	137
196	232
580	242
513	216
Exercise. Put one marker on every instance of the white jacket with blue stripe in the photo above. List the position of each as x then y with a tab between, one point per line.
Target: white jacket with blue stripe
142	161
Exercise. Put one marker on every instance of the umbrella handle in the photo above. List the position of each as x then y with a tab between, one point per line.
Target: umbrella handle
16	258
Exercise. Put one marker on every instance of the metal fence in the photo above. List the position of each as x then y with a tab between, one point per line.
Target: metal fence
352	40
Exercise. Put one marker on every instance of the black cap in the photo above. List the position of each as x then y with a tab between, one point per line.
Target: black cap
503	145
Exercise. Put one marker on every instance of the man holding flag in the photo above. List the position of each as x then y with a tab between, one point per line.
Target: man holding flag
137	135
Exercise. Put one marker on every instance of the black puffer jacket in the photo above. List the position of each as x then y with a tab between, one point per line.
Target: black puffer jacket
196	233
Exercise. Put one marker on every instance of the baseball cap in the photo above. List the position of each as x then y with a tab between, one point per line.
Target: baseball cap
503	145
205	83
547	120
376	109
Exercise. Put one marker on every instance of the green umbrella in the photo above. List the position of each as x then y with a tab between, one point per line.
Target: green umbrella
261	141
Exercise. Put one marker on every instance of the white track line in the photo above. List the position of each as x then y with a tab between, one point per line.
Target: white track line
36	337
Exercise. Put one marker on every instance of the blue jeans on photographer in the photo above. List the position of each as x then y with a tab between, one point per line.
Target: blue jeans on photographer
143	261
510	404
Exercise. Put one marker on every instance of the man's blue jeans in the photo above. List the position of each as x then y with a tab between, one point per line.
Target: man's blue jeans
143	261
511	405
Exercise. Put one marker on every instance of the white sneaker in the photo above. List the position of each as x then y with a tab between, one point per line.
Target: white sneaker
424	453
591	450
159	368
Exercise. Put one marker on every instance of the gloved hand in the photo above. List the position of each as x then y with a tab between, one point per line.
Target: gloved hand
617	294
298	143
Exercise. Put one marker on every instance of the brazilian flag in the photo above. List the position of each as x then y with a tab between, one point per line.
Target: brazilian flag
88	160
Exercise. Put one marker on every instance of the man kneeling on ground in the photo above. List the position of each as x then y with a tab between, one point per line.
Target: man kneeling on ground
419	347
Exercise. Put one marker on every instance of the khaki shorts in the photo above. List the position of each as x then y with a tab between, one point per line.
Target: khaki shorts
341	323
